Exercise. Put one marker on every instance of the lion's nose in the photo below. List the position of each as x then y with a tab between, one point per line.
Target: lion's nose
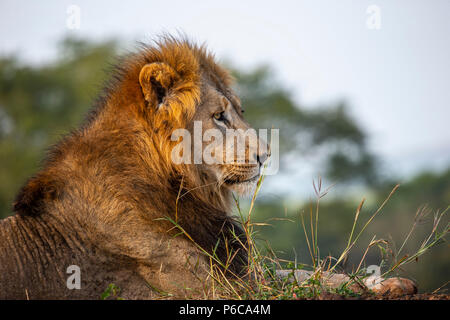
263	156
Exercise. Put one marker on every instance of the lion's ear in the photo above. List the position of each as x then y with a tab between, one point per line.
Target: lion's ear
156	80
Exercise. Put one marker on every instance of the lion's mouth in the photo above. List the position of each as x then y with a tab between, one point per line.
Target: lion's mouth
237	180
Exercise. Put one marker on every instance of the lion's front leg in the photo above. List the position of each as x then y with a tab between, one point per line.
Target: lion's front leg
179	271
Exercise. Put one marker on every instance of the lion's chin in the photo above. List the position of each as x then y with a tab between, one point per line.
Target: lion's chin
244	188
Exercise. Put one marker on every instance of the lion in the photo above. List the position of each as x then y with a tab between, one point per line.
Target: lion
110	206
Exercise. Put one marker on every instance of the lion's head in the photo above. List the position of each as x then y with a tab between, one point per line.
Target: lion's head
190	96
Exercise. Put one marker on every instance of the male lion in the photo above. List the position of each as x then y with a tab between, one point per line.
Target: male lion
111	201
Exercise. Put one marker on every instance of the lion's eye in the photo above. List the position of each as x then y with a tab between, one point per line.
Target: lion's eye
219	116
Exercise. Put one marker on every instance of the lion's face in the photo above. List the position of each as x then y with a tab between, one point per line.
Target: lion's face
231	150
216	138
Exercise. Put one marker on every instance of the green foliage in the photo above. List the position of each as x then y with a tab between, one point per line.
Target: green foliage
111	292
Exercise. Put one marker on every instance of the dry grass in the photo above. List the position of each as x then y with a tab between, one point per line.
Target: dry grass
262	282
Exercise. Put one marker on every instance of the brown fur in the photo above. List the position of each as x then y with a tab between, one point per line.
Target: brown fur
101	199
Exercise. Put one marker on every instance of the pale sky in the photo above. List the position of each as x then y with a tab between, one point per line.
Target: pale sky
395	79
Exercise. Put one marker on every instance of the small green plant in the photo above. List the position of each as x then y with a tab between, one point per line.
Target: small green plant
112	291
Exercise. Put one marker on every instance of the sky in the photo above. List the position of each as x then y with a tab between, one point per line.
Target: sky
390	65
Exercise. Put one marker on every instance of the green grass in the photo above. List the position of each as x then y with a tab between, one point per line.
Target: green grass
112	292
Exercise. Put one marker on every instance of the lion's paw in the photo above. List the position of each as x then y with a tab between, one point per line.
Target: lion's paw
395	287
